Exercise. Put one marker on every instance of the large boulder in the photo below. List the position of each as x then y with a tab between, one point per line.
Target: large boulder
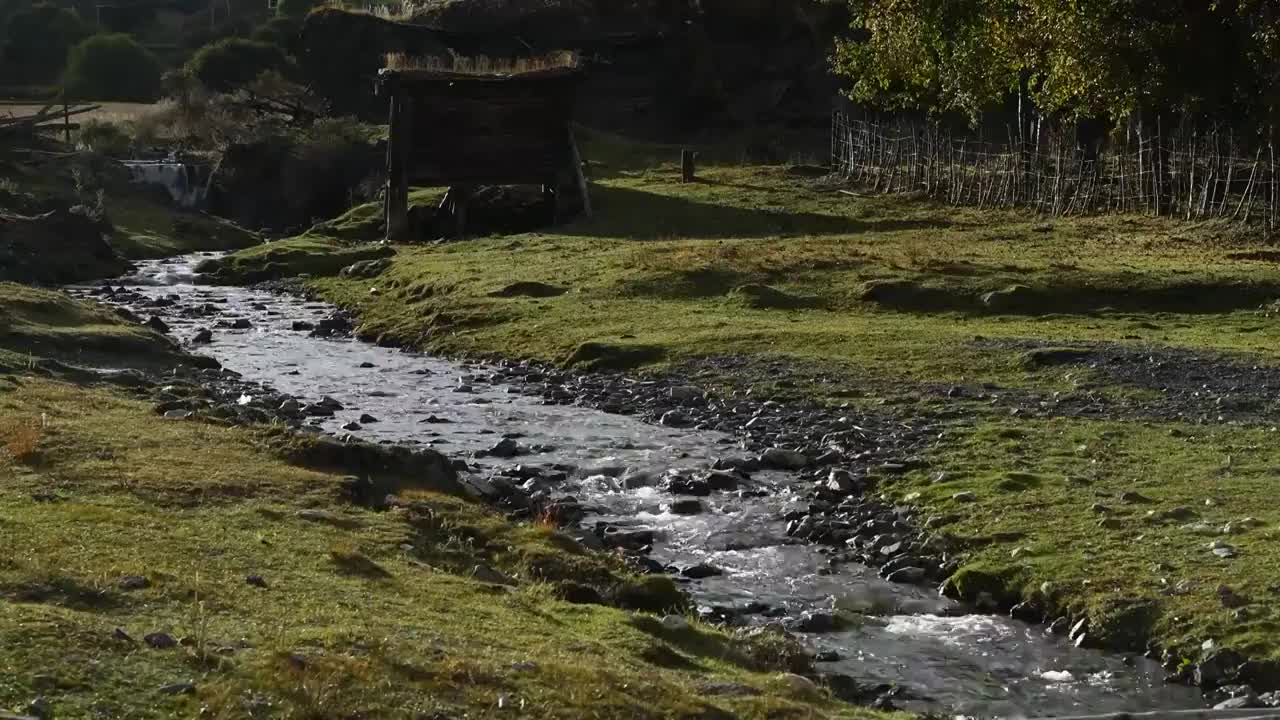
63	245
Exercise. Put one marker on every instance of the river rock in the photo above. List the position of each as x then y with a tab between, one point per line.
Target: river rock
686	507
203	336
368	419
841	481
701	571
155	323
676	419
352	426
908	576
505	448
686	394
814	621
782	459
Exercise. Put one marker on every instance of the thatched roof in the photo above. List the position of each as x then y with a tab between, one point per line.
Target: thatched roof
482	68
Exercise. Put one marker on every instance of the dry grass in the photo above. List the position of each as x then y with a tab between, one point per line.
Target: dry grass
483	64
20	439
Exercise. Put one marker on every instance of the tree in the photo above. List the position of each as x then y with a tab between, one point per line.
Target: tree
112	67
1078	59
233	63
37	41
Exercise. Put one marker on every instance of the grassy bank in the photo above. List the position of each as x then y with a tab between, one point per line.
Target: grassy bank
885	301
157	568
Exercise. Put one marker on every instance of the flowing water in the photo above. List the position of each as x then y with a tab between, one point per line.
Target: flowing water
945	660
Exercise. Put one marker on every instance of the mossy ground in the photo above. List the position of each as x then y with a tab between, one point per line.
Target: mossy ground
873	299
351	612
1051	507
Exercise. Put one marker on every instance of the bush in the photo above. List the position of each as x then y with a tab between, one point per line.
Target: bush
36	43
104	138
279	31
112	67
232	63
297	8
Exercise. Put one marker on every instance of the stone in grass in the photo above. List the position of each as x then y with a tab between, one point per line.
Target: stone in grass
134	582
256	581
674	623
184	687
160	641
965	497
1222	550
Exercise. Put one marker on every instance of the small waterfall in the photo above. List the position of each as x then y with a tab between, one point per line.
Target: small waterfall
186	183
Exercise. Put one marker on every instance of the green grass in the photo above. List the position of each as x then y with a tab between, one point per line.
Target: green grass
305	255
1034	521
370	613
40	324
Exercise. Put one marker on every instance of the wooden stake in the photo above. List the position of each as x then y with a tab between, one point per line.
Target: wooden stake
687	170
581	177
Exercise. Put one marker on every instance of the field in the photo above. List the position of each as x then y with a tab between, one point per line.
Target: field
1108	383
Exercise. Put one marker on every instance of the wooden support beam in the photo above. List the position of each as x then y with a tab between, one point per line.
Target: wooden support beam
578	174
398	148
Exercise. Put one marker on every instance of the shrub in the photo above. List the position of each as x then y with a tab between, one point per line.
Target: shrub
296	8
235	62
104	138
20	440
279	31
36	43
112	67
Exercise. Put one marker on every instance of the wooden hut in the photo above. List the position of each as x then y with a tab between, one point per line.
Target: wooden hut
463	123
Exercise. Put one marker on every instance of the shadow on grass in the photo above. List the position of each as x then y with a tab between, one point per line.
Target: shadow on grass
631	214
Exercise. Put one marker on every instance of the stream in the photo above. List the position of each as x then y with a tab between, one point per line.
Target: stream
942	659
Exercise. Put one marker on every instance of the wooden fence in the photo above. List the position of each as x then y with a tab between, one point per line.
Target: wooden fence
1192	175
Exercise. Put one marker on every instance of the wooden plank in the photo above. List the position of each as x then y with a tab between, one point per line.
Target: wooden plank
687	169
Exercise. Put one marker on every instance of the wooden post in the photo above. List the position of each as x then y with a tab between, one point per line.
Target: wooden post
399	139
461	198
578	174
66	122
687	170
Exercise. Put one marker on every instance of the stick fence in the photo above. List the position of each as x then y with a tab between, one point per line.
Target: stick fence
1186	174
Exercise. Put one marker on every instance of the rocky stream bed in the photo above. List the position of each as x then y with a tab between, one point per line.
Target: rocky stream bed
761	509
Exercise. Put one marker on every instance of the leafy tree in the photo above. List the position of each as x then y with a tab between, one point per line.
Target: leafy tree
1084	58
233	63
112	67
37	41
